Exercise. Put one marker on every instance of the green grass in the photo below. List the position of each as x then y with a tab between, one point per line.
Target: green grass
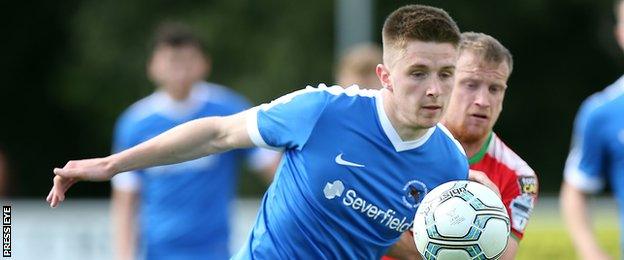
547	238
555	243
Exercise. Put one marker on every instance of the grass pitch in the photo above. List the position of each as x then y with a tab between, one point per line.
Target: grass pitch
547	238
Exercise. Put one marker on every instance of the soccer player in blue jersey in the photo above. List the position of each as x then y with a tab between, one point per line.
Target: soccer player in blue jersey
177	211
596	156
356	162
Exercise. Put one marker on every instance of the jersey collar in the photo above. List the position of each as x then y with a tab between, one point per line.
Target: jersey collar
173	109
391	133
479	156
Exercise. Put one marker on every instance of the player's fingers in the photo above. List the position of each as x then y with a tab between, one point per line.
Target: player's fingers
59	187
487	182
482	178
51	193
56	201
60	195
494	187
53	201
49	197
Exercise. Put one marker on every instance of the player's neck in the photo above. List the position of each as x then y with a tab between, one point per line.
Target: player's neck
472	146
178	95
405	131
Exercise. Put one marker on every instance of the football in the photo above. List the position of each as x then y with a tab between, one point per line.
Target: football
461	220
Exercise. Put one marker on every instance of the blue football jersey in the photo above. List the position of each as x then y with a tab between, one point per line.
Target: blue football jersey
184	208
347	185
597	153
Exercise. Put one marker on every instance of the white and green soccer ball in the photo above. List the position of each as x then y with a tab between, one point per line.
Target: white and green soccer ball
461	220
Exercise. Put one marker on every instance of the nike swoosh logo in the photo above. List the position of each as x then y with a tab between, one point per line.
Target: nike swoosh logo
341	161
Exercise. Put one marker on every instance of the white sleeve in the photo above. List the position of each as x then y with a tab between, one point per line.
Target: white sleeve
259	159
575	176
126	181
254	132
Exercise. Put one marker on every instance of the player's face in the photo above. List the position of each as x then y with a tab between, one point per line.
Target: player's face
176	69
420	77
477	97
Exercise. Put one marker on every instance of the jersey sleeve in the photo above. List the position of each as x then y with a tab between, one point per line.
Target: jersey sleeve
123	138
519	196
287	122
584	167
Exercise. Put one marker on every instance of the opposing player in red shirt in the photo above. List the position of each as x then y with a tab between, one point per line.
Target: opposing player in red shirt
481	74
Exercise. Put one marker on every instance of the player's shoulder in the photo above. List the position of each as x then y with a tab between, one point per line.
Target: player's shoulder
352	100
612	102
450	148
328	96
208	92
337	94
506	156
605	101
450	139
142	109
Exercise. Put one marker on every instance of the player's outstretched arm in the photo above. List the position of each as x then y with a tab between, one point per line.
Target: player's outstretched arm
573	203
185	142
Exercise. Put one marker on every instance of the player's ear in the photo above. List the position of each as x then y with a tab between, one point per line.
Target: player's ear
384	76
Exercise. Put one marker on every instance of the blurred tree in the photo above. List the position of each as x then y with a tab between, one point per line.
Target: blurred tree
70	68
34	128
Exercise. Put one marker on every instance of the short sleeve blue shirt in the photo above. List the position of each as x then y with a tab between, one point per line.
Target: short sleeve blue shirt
597	152
347	185
184	208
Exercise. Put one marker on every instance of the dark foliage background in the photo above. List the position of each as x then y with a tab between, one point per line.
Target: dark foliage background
70	67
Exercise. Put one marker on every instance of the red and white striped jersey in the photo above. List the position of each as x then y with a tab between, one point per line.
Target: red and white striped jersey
517	182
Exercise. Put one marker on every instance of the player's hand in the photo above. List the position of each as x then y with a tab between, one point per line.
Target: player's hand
482	178
83	170
404	248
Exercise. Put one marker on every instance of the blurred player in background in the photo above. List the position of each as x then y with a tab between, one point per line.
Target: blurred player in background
482	70
596	156
357	66
178	211
356	162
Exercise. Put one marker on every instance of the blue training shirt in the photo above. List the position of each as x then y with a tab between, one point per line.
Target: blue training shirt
184	208
347	185
597	153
